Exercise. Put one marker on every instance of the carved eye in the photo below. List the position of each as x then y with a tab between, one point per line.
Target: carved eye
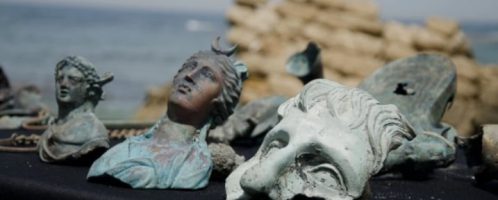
188	66
327	175
75	79
208	73
273	146
276	144
59	78
278	140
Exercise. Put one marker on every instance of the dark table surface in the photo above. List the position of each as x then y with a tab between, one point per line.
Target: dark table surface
24	176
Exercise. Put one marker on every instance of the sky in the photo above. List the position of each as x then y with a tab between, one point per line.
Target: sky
463	10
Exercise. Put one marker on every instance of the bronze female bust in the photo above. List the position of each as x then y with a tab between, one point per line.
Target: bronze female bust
174	153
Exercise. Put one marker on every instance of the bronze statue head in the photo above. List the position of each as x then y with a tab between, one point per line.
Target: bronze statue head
207	86
77	82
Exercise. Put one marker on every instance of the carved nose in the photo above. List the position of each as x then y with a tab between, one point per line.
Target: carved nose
189	77
263	176
64	82
257	179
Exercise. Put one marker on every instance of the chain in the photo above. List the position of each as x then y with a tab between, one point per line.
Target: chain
125	133
27	143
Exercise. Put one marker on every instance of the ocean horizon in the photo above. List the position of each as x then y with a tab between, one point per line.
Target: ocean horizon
141	48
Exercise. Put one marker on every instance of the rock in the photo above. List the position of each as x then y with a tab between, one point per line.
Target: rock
262	64
254	88
251	3
395	51
350	64
245	38
459	45
225	160
316	32
487	74
363	8
354	42
361	43
260	20
488	95
428	40
351	81
150	112
238	14
446	27
395	32
341	20
466	68
284	85
155	103
333	4
289	28
330	74
460	116
271	45
466	89
295	9
486	114
490	148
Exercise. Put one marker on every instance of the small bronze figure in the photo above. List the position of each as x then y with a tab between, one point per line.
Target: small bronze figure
306	65
76	131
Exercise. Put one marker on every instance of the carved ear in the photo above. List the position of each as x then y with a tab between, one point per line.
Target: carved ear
95	91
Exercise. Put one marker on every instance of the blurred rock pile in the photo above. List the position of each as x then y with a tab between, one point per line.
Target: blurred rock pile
354	43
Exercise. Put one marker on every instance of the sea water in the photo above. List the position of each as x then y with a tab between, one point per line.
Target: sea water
142	48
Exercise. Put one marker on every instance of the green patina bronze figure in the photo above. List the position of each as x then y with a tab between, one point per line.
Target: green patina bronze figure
422	87
76	132
306	65
174	152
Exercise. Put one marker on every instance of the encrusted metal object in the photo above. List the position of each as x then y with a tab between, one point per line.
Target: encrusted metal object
306	65
423	88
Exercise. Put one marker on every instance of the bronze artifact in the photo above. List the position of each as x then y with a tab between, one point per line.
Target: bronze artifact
174	152
76	131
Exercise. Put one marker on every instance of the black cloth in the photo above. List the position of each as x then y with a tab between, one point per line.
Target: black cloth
24	176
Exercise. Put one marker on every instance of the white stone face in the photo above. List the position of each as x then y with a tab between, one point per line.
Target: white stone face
330	140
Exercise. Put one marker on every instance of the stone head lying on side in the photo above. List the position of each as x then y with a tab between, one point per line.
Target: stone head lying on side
330	141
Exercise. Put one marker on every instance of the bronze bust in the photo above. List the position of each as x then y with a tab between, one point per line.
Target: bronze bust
76	131
174	152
